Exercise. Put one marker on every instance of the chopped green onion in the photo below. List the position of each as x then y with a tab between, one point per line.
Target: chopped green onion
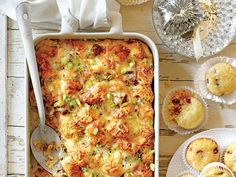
113	105
69	65
123	71
151	122
125	104
94	106
109	77
95	174
72	103
152	151
59	103
135	102
109	96
66	98
92	62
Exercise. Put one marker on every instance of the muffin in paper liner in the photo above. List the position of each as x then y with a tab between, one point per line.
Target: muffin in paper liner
220	167
200	81
171	124
132	2
186	174
223	156
193	170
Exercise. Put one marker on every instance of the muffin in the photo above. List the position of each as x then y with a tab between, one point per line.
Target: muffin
201	152
216	171
185	109
230	157
221	79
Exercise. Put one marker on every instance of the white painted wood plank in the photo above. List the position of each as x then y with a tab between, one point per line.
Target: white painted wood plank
16	103
3	95
16	149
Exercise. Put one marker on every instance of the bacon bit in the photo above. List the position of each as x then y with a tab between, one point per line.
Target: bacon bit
76	171
75	44
110	64
80	159
143	170
43	56
120	130
148	134
188	100
142	53
175	101
91	99
121	112
97	49
147	157
122	52
179	99
177	110
79	129
73	87
111	168
85	120
124	145
199	151
215	151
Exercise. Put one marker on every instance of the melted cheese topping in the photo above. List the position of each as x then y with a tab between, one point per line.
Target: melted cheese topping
98	97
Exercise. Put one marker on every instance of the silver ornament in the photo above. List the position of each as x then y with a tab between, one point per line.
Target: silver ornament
180	16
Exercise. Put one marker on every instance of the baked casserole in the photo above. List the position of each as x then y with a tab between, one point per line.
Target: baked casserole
98	97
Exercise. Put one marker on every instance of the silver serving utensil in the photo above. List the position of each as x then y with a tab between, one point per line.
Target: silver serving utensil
43	133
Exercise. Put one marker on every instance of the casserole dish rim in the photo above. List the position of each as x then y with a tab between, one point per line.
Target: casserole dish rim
100	35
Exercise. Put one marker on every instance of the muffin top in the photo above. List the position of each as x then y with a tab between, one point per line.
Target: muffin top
230	157
216	172
201	152
221	79
185	109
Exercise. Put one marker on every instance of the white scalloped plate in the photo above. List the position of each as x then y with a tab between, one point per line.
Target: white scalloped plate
223	136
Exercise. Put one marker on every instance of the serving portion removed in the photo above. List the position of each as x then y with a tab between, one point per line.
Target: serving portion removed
99	98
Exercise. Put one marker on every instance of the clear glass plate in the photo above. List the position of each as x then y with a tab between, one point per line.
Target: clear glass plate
221	30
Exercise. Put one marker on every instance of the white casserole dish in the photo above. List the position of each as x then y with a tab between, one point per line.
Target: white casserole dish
115	32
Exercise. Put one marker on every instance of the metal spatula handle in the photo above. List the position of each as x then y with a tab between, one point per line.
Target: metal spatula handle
24	22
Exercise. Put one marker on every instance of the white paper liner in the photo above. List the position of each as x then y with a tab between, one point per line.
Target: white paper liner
173	125
186	173
216	165
200	81
132	2
223	155
194	171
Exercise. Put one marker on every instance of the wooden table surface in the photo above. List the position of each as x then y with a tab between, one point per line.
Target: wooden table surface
175	70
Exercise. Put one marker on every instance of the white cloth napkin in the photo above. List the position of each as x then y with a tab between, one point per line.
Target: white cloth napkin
94	13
